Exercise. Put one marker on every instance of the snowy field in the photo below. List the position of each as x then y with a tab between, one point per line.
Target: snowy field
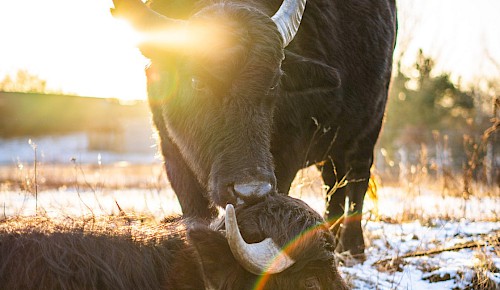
415	239
61	149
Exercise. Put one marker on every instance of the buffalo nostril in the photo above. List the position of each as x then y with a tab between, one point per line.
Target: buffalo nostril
252	190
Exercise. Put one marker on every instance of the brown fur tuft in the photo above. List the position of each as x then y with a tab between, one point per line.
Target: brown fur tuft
39	253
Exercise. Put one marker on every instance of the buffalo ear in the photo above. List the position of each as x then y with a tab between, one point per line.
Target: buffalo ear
214	255
303	75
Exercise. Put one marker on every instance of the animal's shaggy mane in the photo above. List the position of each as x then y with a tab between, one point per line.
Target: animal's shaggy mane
94	253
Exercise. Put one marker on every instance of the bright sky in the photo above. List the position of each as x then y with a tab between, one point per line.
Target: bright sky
458	34
74	44
79	48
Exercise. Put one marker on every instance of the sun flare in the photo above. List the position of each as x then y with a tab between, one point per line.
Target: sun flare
79	48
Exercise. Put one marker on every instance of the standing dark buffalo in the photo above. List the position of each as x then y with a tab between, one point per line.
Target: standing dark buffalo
263	89
37	254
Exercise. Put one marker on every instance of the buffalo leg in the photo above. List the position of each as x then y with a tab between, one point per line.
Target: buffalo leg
351	234
284	177
348	231
332	173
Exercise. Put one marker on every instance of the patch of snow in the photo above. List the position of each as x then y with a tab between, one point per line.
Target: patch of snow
445	270
62	149
76	203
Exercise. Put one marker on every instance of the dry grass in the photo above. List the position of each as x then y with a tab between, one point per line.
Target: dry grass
484	268
85	176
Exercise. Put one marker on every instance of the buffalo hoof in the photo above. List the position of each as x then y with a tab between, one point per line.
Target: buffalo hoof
351	245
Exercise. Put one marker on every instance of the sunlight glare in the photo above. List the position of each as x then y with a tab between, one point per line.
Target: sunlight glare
125	33
189	38
179	36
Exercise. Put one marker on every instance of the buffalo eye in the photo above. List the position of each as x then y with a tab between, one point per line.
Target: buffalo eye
312	283
273	87
275	83
197	84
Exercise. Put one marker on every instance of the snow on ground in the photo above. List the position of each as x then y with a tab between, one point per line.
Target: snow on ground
61	149
74	203
454	269
426	222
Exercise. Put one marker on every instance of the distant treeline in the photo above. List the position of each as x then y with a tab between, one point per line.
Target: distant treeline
34	114
438	126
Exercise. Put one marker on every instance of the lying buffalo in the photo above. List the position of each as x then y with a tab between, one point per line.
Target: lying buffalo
245	93
35	254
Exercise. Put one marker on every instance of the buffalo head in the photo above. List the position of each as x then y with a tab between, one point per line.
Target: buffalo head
213	83
277	244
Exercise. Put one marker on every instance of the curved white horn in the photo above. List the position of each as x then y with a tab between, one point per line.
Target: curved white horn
256	258
288	18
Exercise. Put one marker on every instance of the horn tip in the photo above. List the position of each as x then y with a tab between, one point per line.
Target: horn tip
229	207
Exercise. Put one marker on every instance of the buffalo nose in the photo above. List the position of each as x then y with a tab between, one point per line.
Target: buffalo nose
252	191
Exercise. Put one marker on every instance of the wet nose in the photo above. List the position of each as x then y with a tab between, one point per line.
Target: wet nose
252	191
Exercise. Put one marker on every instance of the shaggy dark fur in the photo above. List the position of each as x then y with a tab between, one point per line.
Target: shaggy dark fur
244	115
114	254
43	254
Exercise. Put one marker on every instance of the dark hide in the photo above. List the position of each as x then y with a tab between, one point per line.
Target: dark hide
253	113
40	254
37	253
